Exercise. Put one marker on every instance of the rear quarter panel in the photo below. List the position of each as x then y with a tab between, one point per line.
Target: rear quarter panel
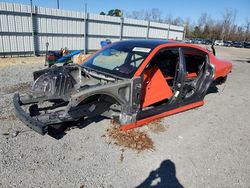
222	67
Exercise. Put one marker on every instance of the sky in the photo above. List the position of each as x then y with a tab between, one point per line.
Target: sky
183	8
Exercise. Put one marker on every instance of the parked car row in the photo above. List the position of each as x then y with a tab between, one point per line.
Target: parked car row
218	42
197	41
242	44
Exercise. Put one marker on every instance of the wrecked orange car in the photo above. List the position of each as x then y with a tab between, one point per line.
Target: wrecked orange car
131	82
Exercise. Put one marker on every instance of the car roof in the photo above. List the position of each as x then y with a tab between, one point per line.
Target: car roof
147	43
153	43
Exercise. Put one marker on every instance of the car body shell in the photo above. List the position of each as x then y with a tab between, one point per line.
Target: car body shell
129	101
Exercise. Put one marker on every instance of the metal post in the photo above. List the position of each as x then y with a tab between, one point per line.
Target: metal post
8	26
85	29
168	31
121	28
57	4
32	27
1	37
148	27
184	32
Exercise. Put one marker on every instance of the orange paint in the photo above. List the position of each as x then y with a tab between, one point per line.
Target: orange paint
155	87
190	75
164	114
222	68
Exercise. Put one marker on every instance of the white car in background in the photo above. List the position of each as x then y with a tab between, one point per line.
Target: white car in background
219	43
186	40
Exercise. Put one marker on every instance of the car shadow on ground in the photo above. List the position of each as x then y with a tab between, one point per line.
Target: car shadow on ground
212	89
58	131
163	177
243	61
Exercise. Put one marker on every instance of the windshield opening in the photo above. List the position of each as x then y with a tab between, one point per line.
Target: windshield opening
118	60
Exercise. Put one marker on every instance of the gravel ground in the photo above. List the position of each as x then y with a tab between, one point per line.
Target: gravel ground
204	147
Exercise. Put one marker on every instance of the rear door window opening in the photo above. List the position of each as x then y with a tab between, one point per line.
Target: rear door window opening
184	70
196	66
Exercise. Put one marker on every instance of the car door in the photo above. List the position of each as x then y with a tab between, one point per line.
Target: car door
155	87
196	82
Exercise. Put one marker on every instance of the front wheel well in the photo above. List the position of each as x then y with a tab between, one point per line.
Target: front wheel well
99	98
96	105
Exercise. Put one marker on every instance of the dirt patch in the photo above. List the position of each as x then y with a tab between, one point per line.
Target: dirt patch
157	126
8	117
11	61
133	139
21	87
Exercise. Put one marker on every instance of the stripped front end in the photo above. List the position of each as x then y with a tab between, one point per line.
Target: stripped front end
69	93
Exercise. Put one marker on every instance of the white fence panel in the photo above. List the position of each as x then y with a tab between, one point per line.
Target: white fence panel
1	45
4	23
134	31
179	28
6	43
94	43
20	43
159	25
26	24
135	22
61	28
158	33
175	35
103	18
134	28
103	29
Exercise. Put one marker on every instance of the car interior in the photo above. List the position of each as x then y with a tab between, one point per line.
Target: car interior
195	68
164	68
167	61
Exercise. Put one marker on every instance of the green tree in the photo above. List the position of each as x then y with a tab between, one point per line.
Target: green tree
206	32
197	32
102	13
113	12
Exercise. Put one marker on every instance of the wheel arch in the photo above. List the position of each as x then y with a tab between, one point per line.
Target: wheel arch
98	95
